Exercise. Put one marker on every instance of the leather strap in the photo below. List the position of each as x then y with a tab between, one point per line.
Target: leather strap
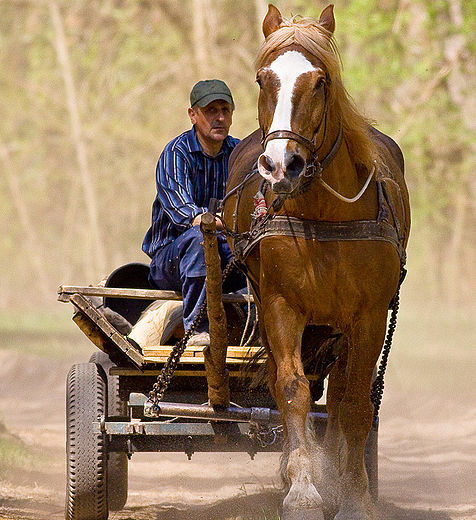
293	136
355	230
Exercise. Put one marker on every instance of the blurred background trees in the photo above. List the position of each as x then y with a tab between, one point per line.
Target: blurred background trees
91	91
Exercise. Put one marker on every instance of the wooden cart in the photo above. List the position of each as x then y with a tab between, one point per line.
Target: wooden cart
106	423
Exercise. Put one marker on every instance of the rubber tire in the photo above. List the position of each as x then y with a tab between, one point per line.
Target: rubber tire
117	463
86	492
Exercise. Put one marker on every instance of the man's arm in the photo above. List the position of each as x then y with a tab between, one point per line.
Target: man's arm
174	188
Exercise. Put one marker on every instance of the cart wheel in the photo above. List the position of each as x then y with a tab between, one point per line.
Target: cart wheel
117	463
86	493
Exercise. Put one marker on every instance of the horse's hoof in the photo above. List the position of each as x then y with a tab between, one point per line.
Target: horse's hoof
303	502
302	514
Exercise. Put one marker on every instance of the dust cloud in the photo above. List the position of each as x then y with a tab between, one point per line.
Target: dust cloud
427	438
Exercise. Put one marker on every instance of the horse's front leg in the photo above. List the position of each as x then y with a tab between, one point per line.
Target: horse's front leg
355	417
271	365
284	330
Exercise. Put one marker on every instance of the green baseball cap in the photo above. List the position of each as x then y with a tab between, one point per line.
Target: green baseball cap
204	92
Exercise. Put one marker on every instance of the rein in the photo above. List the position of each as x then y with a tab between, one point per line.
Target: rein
271	224
315	168
345	199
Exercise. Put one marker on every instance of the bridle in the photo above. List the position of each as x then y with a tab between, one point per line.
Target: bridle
314	167
271	224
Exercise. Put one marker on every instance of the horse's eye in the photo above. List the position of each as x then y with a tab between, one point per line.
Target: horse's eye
320	83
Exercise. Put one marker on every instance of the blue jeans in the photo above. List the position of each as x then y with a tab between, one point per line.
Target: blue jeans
180	266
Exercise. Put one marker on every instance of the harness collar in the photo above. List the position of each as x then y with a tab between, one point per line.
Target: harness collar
354	230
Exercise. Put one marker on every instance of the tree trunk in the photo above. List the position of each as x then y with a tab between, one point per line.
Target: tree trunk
96	256
33	244
199	39
215	354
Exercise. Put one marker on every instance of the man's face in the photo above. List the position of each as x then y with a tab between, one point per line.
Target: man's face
212	122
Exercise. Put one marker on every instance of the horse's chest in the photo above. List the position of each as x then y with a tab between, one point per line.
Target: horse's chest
299	266
310	272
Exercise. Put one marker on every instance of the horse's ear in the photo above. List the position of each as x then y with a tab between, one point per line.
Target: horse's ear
272	20
327	19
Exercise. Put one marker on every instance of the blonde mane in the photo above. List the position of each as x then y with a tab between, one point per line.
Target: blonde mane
316	40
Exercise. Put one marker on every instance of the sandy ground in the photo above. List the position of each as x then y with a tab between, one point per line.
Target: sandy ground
427	446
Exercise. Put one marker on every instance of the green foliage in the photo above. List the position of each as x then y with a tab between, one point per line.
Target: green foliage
410	66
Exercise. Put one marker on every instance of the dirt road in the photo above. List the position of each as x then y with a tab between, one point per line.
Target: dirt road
427	448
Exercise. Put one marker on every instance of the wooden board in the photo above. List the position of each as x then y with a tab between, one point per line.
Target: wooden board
96	327
65	292
194	354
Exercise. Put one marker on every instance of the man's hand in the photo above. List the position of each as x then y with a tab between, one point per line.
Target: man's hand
198	219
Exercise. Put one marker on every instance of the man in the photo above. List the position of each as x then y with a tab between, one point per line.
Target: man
192	169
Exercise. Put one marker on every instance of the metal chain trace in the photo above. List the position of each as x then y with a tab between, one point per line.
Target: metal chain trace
152	407
378	384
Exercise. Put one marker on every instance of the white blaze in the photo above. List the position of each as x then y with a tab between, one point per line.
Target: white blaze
287	67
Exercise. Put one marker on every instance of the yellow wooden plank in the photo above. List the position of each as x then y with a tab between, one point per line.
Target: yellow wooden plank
192	354
240	351
198	359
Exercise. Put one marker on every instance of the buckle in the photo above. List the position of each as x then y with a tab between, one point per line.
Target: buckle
313	170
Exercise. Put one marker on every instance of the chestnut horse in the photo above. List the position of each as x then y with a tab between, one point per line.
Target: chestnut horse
318	214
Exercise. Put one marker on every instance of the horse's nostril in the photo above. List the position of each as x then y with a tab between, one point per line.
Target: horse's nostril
265	162
295	166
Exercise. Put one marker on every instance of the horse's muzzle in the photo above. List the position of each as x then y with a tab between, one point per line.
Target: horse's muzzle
284	187
282	177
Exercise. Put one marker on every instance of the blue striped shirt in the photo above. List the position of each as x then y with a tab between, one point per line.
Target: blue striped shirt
186	180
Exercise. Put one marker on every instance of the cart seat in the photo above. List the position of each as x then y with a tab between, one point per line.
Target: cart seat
132	276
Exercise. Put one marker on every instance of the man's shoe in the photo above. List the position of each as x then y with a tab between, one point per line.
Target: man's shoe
199	340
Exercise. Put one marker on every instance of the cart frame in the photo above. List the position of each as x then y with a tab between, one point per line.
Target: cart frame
106	398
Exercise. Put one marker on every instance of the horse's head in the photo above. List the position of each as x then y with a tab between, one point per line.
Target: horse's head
293	72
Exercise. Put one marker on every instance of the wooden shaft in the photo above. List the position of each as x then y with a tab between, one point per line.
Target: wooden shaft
215	354
66	291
